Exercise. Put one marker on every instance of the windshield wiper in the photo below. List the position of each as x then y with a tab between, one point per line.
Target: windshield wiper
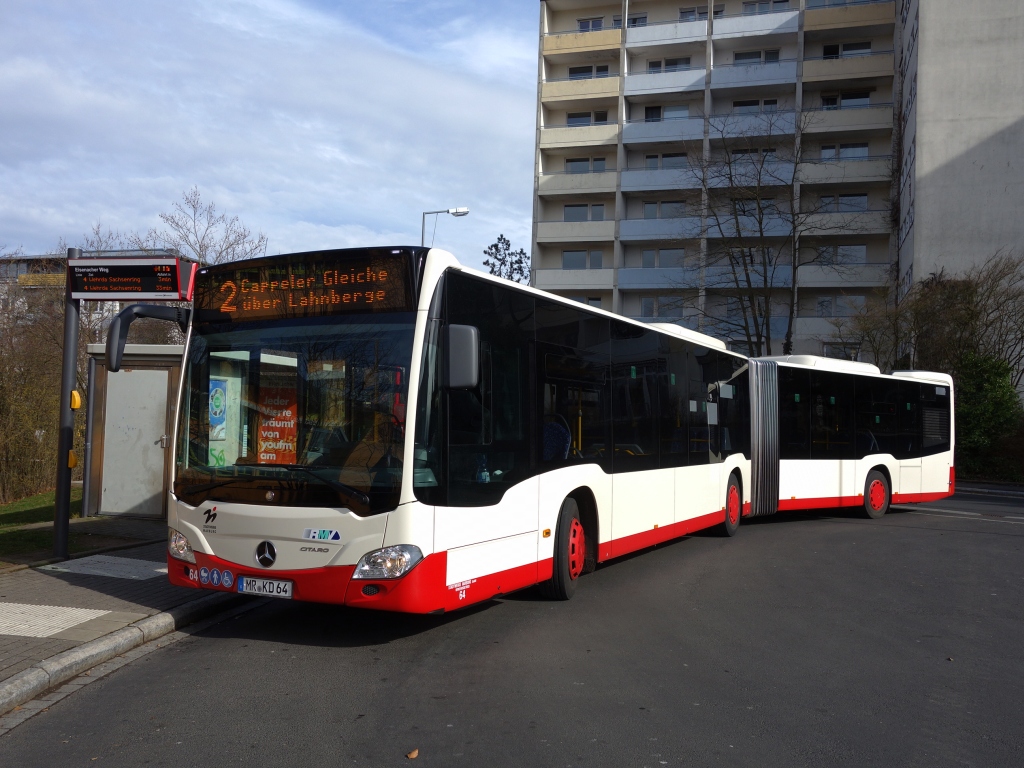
347	491
190	489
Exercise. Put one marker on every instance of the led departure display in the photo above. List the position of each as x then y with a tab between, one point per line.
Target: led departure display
128	278
305	285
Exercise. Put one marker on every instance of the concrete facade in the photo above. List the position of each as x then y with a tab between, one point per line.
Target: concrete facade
961	81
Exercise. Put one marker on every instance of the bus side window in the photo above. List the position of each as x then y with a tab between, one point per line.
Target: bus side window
908	442
876	415
636	369
488	427
674	404
699	425
832	413
794	413
934	419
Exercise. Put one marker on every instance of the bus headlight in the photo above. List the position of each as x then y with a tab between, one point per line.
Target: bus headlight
179	547
388	563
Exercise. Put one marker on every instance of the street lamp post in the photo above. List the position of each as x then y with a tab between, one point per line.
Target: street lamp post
423	223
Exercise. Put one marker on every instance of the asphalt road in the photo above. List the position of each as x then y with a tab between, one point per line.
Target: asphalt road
807	640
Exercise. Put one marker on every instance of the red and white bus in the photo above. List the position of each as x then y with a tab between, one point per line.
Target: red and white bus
384	428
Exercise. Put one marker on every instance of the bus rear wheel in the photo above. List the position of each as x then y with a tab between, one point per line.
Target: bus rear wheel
570	555
733	507
876	494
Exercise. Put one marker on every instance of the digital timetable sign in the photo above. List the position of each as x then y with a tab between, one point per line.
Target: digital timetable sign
304	285
129	279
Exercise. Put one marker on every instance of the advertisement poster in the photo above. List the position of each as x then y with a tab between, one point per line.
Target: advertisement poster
218	410
279	433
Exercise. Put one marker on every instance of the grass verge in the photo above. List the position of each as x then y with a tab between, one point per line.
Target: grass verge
36	509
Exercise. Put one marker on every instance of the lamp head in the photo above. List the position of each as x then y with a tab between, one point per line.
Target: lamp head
458	211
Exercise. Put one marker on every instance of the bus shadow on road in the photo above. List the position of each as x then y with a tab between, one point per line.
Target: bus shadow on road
332	626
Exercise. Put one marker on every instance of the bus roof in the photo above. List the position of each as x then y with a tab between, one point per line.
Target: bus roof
666	328
849	366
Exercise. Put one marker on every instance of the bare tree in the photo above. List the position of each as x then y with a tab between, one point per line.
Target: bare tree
507	263
755	219
196	230
946	319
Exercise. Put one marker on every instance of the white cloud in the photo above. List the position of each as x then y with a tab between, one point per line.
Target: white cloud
314	127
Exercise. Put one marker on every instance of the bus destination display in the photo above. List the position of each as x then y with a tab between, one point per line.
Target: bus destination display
283	289
128	279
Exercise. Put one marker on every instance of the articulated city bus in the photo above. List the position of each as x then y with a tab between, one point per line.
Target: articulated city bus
384	428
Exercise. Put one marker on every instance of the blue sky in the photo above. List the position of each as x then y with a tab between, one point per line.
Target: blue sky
322	124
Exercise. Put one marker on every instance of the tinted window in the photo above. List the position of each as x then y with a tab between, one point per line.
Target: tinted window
674	404
636	364
572	366
734	406
875	415
794	413
703	406
935	413
908	416
832	432
488	438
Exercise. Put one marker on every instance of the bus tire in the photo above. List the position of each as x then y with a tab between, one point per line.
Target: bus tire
570	554
877	495
733	507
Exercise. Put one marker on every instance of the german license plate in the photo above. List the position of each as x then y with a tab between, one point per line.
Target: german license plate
269	587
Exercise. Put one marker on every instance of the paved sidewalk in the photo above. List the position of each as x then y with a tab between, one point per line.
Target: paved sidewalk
54	608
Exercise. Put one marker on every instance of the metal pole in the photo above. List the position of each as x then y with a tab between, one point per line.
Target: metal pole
66	434
90	397
423	229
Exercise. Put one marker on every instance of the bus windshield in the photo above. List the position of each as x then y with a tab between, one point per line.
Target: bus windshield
299	412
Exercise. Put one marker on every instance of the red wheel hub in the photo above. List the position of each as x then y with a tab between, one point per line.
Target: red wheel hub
577	549
732	505
876	494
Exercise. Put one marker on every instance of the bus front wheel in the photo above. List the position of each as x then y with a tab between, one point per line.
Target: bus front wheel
876	494
570	554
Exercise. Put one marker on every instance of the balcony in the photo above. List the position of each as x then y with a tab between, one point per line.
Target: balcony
668	32
733	125
658	179
573	89
750	173
668	129
574	279
871	222
581	42
648	83
724	276
749	24
877	117
835	14
633	279
837	69
576	183
575	231
855	171
843	275
684	228
729	226
601	134
753	75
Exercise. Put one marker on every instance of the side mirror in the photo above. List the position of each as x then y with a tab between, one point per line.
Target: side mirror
117	333
462	352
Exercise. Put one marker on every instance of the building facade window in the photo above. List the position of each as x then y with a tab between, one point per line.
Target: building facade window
852	151
590	25
579	259
583	212
585	165
579	119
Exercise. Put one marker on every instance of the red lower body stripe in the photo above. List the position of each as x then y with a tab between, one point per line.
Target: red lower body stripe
425	589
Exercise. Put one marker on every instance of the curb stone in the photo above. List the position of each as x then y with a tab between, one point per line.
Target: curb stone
62	667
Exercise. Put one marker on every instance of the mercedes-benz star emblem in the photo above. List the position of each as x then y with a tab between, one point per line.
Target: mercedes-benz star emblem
266	554
271	495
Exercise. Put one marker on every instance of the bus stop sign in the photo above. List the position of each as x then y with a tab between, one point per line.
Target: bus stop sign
157	278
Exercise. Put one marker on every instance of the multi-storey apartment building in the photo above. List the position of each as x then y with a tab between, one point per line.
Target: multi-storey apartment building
727	165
